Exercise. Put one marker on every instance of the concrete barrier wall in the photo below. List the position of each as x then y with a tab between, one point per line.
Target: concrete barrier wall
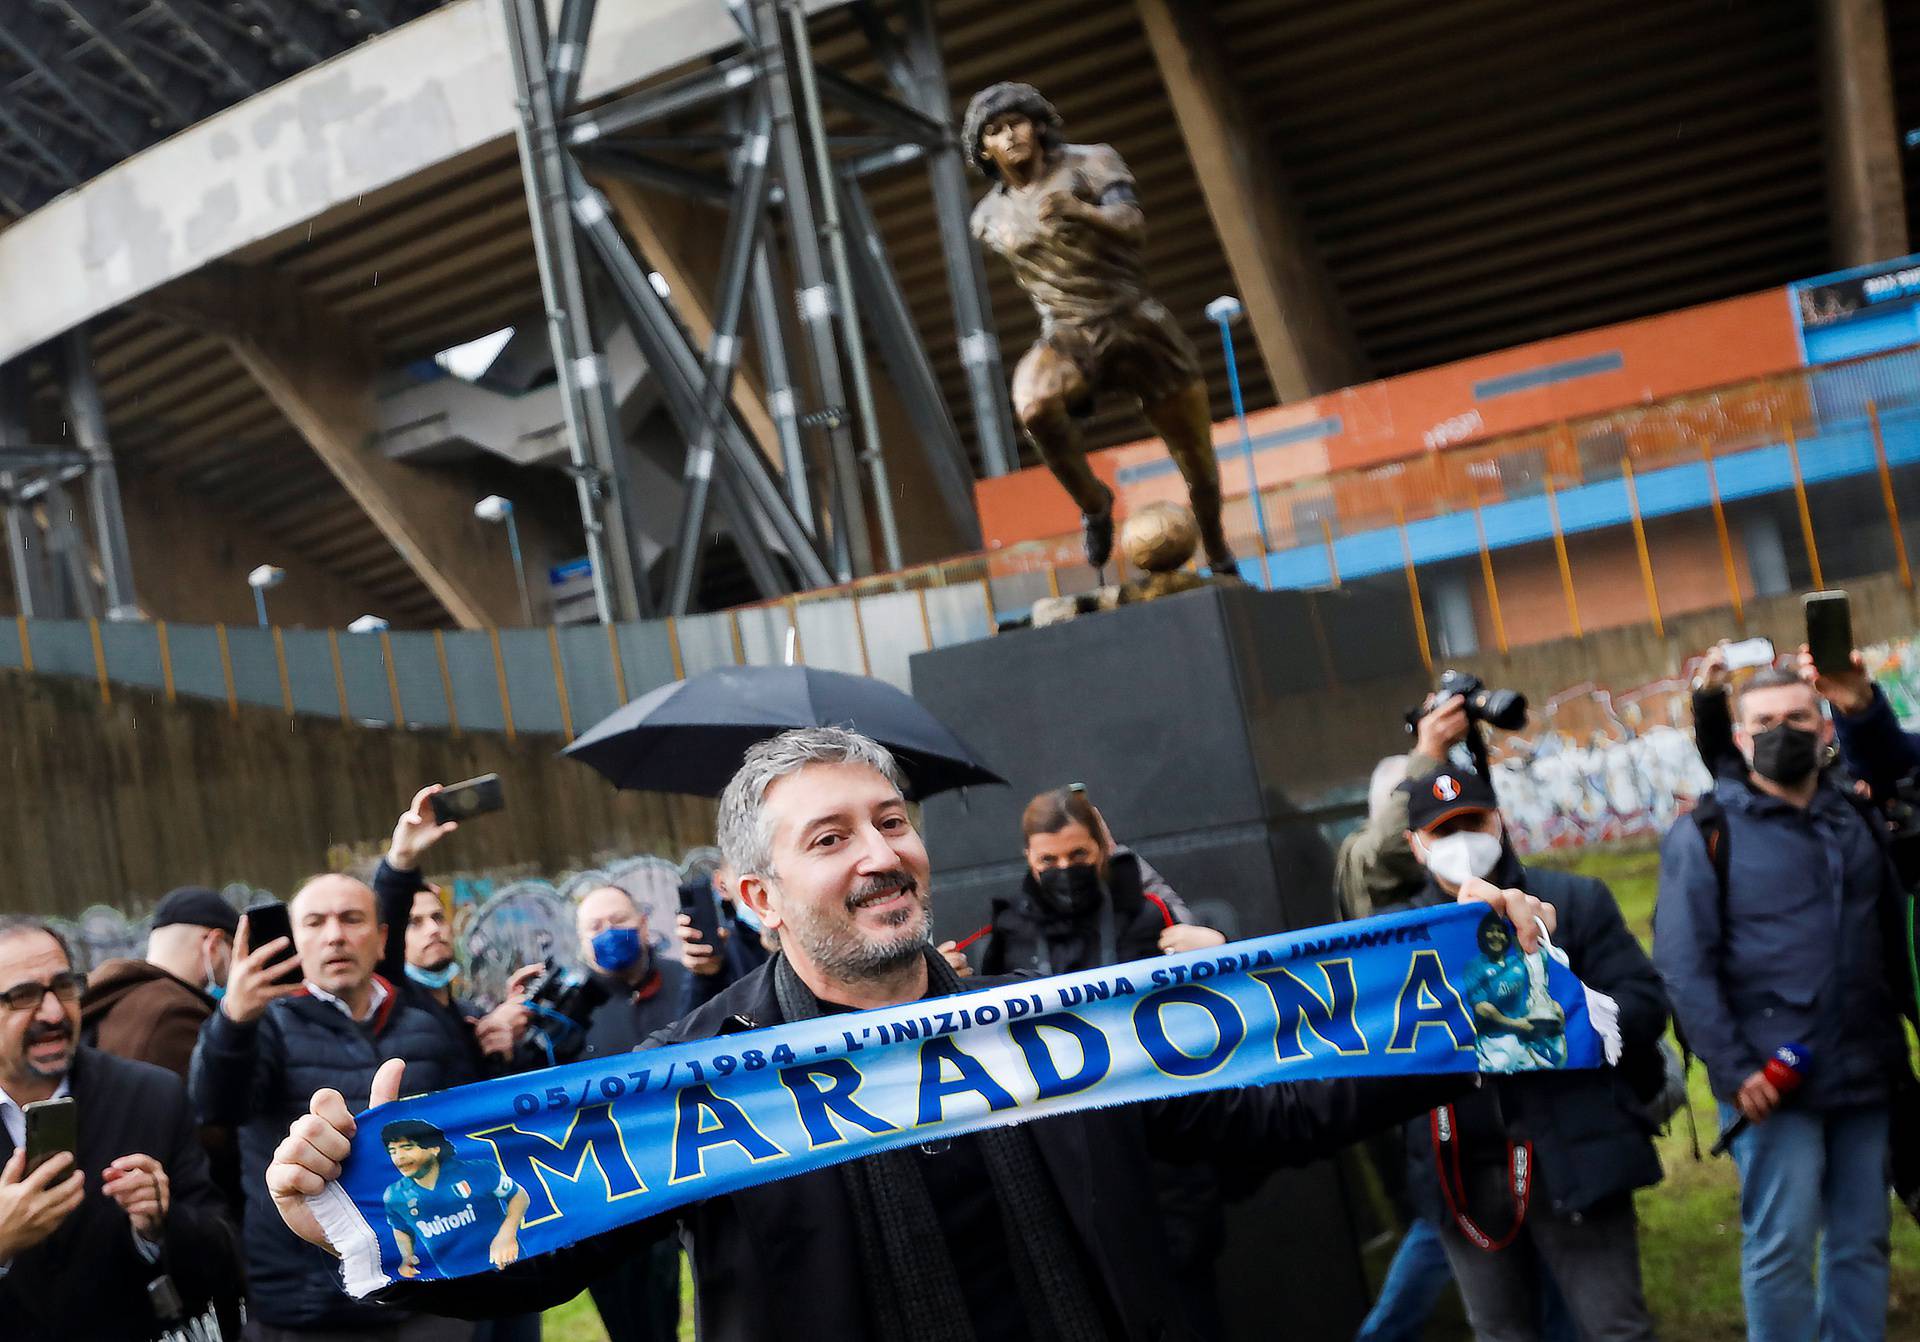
117	804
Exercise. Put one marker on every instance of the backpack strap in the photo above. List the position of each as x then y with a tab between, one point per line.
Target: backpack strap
1710	818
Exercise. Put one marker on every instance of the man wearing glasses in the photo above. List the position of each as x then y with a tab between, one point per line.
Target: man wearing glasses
122	1235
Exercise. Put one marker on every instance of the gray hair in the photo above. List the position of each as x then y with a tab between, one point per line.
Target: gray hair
24	924
746	831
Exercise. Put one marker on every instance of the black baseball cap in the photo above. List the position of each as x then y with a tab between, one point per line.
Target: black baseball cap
197	906
1441	796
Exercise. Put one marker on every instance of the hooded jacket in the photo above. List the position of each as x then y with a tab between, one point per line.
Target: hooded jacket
135	1009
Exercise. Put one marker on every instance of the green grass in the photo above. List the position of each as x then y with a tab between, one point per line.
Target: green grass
1689	1224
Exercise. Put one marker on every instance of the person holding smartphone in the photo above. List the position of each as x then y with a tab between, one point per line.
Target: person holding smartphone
121	1198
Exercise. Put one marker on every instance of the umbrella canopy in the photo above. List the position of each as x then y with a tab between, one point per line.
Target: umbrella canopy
690	736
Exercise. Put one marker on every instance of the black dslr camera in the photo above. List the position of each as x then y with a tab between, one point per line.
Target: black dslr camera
562	1001
1505	709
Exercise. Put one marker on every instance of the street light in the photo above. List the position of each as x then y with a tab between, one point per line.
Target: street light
1223	312
495	508
260	580
368	624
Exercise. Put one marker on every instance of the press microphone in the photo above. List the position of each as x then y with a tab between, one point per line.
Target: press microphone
1786	1069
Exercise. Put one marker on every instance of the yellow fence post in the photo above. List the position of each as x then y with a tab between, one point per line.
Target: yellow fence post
926	619
793	623
1640	544
1053	580
1806	511
1726	540
500	674
673	649
560	681
166	660
860	635
393	679
100	662
619	663
993	616
286	681
1486	573
226	670
26	643
339	676
446	681
1886	493
1566	564
1413	588
1333	564
739	642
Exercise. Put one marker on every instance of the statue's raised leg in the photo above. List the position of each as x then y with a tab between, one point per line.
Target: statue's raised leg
1185	423
1044	385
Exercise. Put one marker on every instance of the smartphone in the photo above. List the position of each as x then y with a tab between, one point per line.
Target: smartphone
698	903
266	921
463	801
1829	631
53	1126
1749	652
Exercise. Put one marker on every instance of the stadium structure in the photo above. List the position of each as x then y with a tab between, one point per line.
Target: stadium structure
1520	281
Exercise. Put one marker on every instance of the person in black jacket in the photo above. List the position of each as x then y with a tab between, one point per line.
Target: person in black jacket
269	1047
1040	1230
83	1235
1085	901
1577	1141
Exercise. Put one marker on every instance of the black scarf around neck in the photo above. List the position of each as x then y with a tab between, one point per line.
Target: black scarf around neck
913	1292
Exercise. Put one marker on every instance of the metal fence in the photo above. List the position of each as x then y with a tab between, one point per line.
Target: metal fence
557	680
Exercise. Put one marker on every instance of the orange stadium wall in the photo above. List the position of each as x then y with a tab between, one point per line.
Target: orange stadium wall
1436	408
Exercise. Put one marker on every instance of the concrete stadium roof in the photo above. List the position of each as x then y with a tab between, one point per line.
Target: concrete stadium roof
1474	175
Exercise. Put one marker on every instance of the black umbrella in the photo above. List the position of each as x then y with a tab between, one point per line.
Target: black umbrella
690	736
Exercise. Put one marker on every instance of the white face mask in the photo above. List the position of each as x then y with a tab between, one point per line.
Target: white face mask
1461	855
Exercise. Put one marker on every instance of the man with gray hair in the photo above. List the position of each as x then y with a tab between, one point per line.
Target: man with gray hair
1046	1229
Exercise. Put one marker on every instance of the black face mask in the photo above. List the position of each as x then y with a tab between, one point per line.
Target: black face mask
1072	891
1786	754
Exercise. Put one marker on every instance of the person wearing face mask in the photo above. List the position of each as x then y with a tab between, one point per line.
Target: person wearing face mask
418	957
1772	927
1578	1143
1086	901
151	1010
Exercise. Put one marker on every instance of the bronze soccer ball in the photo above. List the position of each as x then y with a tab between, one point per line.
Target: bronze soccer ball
1160	537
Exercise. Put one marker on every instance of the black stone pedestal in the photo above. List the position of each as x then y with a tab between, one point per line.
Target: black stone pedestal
1187	718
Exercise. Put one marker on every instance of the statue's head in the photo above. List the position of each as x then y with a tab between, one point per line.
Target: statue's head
999	103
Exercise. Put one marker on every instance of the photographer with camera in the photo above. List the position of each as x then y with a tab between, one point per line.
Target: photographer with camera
1776	928
1538	1168
1375	867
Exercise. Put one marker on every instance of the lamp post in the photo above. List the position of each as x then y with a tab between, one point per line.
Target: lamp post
495	508
1223	312
368	624
260	580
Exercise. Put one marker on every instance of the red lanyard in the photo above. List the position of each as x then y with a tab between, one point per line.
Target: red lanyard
1446	1147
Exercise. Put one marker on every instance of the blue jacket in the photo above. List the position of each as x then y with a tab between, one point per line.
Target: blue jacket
258	1078
1875	747
1800	955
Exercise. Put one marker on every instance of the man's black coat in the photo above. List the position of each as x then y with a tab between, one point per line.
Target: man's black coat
782	1260
88	1280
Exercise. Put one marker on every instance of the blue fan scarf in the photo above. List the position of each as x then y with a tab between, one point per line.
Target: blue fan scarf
459	1182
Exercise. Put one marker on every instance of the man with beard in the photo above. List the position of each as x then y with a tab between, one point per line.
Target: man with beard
82	1235
1042	1230
1776	925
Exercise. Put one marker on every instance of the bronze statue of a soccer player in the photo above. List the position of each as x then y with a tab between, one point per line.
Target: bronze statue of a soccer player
1067	220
